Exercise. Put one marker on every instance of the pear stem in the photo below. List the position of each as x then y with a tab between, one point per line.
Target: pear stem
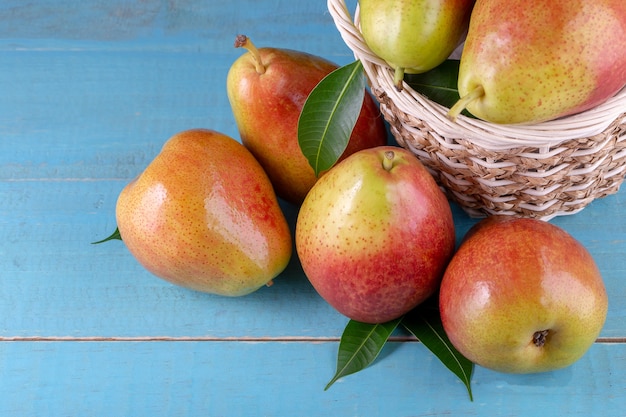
462	103
388	160
242	41
398	77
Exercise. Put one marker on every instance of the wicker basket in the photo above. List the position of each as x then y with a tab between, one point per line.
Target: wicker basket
541	170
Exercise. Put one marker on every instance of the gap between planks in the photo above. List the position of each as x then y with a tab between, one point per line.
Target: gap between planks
259	339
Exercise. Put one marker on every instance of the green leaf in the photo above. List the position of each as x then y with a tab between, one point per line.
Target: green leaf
425	324
360	345
114	235
438	84
329	116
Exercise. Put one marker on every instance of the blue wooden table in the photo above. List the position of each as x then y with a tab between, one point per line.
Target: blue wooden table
89	92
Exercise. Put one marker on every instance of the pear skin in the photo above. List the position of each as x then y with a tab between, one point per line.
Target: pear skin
204	215
413	36
522	295
267	88
533	61
375	234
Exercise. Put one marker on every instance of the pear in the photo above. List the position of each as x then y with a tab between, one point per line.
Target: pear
533	61
413	36
375	234
203	215
267	88
522	295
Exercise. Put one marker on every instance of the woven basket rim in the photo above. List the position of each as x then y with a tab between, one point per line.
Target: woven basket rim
484	134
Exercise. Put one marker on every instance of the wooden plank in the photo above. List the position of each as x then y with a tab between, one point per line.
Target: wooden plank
55	283
123	78
286	379
90	91
174	25
105	114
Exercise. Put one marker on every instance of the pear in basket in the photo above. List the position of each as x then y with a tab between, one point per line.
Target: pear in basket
267	88
532	61
413	36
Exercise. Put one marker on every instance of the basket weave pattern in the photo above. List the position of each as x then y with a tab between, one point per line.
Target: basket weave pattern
541	170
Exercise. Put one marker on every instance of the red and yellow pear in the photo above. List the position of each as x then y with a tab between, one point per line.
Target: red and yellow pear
522	295
204	215
413	36
534	61
267	88
374	234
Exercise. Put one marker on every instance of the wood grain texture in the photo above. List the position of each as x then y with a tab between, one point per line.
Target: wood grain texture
90	92
284	379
